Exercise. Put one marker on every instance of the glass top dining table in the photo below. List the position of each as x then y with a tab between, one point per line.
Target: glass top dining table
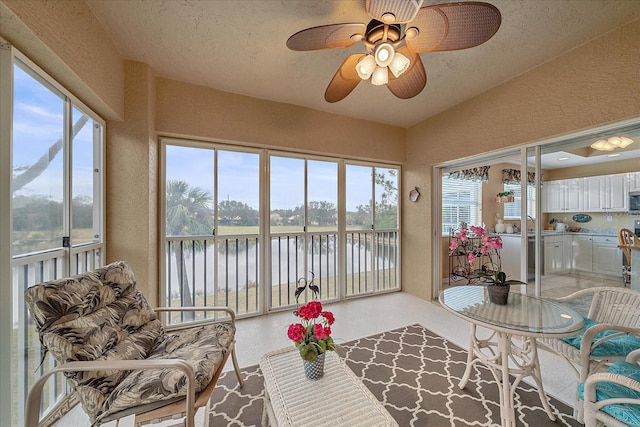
524	315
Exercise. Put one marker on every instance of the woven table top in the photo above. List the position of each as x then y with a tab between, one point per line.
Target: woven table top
338	398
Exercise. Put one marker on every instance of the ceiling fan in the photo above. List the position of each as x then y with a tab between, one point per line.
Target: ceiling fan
399	31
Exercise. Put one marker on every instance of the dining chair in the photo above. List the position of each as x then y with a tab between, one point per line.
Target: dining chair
612	398
626	239
119	357
611	332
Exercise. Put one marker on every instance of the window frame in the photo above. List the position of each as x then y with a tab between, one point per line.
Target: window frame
30	268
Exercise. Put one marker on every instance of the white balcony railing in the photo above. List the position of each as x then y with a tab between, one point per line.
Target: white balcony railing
225	270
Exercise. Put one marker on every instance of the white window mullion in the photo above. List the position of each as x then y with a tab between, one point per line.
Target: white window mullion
6	167
342	234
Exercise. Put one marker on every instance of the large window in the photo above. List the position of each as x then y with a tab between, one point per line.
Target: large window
341	235
461	202
56	226
303	208
212	227
372	256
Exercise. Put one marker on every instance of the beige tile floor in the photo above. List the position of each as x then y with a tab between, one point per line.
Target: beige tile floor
565	284
365	316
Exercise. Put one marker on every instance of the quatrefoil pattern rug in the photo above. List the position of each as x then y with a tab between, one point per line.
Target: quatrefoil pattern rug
415	374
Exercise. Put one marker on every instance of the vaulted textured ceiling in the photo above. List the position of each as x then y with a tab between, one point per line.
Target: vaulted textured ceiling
240	47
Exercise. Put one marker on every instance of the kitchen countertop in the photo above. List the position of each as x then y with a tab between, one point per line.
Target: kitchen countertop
606	233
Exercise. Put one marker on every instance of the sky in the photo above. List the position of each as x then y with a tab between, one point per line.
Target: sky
38	119
38	123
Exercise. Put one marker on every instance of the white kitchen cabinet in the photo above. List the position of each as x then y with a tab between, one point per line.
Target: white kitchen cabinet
582	252
608	193
563	195
607	257
557	254
593	188
634	181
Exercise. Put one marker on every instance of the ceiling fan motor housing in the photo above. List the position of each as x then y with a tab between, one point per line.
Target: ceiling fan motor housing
375	32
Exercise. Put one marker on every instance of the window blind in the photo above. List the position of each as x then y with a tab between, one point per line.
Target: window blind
512	210
460	202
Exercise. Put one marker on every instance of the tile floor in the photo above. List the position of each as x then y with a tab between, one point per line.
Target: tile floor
565	284
366	316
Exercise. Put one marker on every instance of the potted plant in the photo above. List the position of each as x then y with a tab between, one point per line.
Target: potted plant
498	286
312	337
505	197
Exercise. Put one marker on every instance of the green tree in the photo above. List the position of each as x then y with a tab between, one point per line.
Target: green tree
189	213
386	206
322	213
233	212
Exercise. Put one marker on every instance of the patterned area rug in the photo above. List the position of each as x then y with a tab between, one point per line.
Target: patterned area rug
414	373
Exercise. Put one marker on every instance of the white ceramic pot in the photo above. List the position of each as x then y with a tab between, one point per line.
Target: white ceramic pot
509	229
500	227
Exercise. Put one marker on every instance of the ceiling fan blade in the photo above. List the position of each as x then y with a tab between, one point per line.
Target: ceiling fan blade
327	37
345	80
454	26
402	10
411	82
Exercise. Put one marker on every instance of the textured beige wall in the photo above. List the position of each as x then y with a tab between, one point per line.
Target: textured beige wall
66	41
594	84
580	89
185	109
132	182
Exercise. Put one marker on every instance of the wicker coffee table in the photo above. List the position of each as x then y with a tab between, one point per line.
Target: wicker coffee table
338	398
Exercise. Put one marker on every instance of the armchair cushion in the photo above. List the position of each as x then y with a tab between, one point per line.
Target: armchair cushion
617	346
203	347
101	315
627	413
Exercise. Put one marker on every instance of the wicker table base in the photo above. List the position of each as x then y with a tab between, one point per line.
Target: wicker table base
338	398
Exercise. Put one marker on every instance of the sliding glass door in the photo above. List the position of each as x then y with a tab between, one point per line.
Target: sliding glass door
559	230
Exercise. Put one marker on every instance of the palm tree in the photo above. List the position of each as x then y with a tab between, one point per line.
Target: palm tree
189	213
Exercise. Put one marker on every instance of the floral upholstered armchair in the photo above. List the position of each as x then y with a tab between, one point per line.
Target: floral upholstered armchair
117	355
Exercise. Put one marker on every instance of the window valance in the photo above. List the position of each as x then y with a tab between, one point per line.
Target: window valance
480	173
513	176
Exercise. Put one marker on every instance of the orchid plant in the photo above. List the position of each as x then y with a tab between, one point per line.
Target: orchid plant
473	242
312	335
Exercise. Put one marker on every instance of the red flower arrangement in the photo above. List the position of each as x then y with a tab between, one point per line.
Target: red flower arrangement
312	336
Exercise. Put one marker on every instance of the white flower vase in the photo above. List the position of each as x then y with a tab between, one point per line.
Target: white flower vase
314	370
500	227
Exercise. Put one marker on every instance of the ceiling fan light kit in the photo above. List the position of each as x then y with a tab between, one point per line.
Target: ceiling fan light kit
435	28
380	76
366	66
399	64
